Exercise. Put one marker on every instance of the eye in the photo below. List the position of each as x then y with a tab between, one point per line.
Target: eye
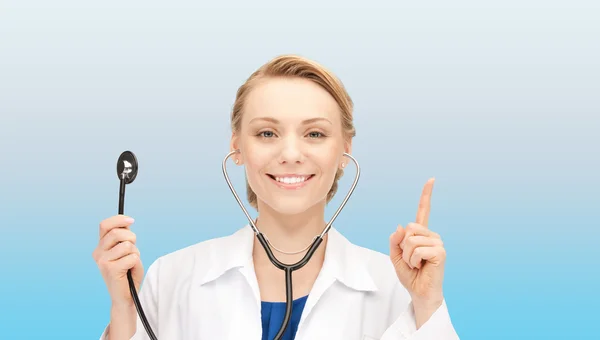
316	134
266	134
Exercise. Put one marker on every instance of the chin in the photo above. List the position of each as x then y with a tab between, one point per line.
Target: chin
291	205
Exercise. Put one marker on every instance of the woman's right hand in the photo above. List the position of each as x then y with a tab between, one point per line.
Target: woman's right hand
115	254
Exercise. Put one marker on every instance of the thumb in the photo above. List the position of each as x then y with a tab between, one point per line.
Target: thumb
396	252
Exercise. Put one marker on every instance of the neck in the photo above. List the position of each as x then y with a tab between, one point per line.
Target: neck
290	233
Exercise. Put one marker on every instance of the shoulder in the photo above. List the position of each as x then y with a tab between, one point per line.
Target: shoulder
196	258
386	292
378	264
389	293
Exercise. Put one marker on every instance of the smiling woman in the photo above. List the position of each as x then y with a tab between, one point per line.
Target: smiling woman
292	129
300	92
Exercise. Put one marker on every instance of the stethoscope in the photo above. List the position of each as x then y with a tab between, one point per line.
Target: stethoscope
127	168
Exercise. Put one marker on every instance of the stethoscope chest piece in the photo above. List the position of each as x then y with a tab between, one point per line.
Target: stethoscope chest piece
127	167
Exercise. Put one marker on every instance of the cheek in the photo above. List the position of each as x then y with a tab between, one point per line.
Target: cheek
329	161
255	159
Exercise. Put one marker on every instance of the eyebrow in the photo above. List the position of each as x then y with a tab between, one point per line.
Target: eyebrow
304	122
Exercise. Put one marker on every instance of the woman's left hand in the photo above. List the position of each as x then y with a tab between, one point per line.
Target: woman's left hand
419	256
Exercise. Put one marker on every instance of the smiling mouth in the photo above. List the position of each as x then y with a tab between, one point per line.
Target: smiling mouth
291	182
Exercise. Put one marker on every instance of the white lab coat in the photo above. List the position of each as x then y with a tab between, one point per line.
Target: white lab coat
209	291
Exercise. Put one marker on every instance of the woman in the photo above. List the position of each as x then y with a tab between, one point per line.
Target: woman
292	123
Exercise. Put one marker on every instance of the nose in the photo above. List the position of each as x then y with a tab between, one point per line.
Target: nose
291	151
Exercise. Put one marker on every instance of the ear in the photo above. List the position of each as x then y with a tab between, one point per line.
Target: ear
348	147
348	150
235	145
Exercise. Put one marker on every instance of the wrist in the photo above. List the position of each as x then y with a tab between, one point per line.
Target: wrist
424	309
122	321
428	303
125	306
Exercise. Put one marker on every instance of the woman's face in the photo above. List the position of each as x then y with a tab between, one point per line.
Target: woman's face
291	143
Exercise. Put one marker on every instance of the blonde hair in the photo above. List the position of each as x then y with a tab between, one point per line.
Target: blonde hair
297	67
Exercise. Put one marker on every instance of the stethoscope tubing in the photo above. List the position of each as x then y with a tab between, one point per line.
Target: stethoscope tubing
289	268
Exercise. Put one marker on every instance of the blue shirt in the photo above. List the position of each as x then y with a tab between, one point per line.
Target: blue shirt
272	314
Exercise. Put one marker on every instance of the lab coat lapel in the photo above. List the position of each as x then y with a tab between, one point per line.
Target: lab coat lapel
249	313
324	280
344	264
236	296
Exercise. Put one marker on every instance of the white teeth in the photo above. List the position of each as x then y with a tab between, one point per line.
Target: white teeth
290	180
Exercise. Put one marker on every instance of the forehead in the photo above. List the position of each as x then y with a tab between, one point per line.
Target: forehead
290	100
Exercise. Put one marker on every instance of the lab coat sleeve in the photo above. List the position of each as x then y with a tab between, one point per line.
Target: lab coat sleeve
148	296
438	327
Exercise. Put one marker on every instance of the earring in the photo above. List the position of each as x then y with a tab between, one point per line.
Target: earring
236	161
343	165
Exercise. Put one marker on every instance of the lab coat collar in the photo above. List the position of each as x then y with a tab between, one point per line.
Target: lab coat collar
344	261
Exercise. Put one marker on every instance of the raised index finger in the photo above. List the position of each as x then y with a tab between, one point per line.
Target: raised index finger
117	221
425	203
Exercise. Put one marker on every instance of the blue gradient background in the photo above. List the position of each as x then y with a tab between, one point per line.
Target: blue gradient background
498	100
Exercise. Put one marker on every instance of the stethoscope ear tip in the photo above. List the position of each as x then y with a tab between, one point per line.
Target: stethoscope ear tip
127	167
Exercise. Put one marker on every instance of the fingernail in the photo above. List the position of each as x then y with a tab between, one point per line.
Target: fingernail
129	220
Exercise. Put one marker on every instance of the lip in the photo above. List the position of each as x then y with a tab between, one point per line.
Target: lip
293	186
